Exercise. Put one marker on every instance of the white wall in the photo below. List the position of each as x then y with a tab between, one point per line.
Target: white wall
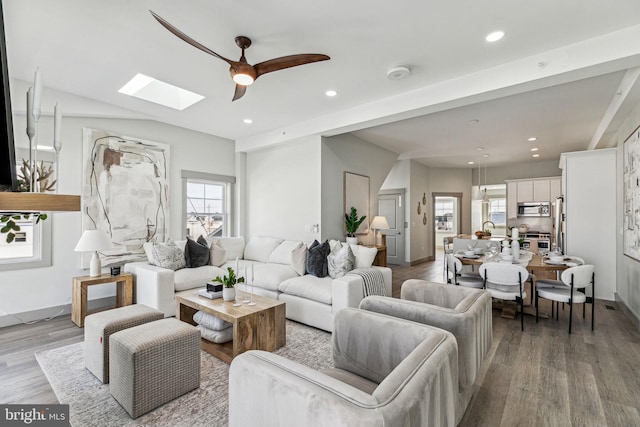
351	154
400	178
421	234
454	181
628	269
283	186
50	287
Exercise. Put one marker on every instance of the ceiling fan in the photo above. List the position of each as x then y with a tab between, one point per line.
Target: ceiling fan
243	73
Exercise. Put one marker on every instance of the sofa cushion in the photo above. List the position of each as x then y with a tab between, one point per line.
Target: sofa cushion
261	248
269	276
165	255
299	259
233	245
189	278
218	255
317	263
364	255
196	253
282	254
340	261
309	287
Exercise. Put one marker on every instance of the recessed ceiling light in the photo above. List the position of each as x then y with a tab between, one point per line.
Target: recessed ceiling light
479	149
495	36
248	121
534	149
536	155
470	163
485	155
473	122
331	93
533	138
158	92
398	73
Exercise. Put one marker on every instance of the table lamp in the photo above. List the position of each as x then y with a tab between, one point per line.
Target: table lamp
94	241
379	223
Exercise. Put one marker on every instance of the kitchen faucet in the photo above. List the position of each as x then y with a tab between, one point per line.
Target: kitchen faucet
490	222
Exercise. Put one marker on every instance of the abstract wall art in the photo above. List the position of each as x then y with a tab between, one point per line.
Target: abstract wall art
631	183
125	193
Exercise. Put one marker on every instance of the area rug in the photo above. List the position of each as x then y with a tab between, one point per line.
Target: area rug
91	404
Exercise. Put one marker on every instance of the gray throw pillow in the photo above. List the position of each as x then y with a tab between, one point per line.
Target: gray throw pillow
167	255
340	261
317	264
196	253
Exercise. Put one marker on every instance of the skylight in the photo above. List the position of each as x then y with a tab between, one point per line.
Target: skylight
156	91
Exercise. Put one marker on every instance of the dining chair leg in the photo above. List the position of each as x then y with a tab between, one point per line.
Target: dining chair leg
583	309
521	314
570	312
536	306
552	311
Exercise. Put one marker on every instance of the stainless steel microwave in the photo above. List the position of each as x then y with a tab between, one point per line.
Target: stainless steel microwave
534	209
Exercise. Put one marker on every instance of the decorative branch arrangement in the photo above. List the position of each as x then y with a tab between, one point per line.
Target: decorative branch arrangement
40	177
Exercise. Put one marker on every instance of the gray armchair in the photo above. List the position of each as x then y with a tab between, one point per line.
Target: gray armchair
464	312
388	372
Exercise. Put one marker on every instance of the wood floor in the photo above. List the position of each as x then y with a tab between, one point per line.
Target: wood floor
539	377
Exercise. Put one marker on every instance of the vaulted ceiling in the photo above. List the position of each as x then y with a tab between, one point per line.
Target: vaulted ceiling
565	72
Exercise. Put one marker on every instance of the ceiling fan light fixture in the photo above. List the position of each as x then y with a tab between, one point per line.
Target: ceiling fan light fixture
243	74
243	79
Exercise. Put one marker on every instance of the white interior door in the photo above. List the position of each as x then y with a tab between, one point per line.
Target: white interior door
391	206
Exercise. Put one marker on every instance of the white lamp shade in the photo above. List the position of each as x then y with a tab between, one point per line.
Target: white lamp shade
379	223
93	240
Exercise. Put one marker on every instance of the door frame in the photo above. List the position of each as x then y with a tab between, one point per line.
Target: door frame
455	195
402	193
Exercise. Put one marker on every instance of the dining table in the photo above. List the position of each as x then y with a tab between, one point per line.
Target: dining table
536	264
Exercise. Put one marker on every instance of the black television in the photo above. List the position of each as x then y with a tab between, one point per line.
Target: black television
7	149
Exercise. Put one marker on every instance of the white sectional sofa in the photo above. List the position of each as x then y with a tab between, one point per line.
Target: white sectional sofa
309	299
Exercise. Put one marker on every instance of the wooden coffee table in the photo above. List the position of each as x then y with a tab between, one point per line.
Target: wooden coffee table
258	327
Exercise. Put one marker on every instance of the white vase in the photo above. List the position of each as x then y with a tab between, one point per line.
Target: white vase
228	294
352	240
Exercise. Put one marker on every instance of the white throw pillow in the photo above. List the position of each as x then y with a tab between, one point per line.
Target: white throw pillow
210	321
282	254
218	255
364	255
299	259
166	255
260	248
234	247
341	261
218	337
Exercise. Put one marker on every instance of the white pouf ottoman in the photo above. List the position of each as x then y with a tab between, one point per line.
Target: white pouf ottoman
154	363
100	326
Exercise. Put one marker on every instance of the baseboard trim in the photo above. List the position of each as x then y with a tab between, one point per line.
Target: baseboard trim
55	311
421	260
632	316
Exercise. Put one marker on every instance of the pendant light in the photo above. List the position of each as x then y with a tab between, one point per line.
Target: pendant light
477	194
485	196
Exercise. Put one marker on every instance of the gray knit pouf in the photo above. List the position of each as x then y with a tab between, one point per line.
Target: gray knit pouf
100	326
154	363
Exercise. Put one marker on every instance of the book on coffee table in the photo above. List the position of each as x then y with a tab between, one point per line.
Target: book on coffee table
208	294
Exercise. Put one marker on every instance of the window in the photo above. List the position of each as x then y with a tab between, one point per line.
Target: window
31	247
444	214
207	204
498	211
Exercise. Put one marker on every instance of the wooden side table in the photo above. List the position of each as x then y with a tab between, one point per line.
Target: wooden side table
124	293
381	257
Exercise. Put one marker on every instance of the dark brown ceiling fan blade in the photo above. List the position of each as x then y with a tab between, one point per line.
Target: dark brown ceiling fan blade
239	93
287	62
188	39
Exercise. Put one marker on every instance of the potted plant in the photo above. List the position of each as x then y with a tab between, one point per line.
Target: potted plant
352	222
229	282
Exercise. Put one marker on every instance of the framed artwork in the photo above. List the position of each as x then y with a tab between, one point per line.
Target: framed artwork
125	193
631	184
356	194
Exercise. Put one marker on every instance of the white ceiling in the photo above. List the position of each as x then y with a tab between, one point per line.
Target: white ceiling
553	76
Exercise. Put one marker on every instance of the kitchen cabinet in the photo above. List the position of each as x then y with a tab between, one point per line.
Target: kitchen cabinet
531	190
555	188
541	192
525	191
512	200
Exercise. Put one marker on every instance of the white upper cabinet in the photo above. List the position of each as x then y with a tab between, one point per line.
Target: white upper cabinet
525	191
512	200
555	187
541	192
